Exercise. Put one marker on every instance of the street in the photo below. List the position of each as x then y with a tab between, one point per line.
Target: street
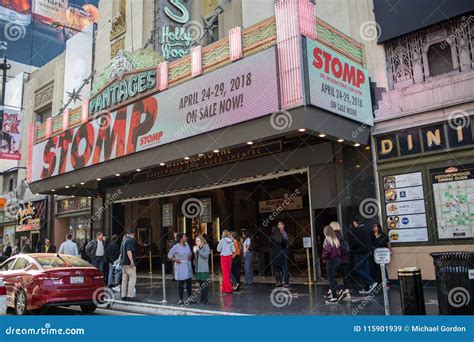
75	310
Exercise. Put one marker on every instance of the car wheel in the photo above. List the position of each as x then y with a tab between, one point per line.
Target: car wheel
20	303
88	309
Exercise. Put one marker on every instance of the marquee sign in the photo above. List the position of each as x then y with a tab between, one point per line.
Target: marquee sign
337	84
31	216
242	91
122	90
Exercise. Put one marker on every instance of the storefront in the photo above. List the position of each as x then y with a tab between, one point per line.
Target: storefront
73	215
248	134
427	189
31	223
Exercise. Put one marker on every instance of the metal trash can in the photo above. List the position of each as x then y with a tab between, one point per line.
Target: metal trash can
411	291
455	282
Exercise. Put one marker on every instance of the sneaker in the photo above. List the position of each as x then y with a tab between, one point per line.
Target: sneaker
124	299
343	294
287	285
236	287
180	302
116	288
332	301
364	292
372	287
328	295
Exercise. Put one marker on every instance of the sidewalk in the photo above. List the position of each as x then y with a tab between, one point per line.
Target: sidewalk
263	299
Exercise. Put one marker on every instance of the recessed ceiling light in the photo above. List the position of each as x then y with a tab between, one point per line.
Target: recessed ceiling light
367	147
55	195
98	179
138	170
357	166
249	142
73	196
321	135
162	164
216	151
82	183
356	145
67	186
186	158
301	129
201	155
340	140
53	190
117	174
36	194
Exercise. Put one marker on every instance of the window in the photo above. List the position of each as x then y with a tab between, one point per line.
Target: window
21	264
43	114
8	265
10	186
439	58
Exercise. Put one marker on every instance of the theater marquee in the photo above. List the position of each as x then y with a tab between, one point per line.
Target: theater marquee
242	91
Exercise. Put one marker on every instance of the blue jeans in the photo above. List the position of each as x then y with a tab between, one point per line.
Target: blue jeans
248	268
332	266
98	263
113	280
362	268
286	275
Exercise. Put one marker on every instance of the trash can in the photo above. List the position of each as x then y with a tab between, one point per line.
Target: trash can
411	291
455	282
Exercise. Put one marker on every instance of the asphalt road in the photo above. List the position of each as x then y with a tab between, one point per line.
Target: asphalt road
75	310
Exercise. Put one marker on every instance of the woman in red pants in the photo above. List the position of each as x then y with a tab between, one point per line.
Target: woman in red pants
226	248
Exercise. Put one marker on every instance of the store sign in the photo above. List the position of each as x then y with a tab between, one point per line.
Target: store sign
73	204
382	255
123	89
425	139
167	215
175	38
405	207
281	204
11	135
337	84
206	212
453	192
31	216
242	91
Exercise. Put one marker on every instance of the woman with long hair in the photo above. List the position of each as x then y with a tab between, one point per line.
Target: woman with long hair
180	254
236	261
226	248
345	262
247	247
277	258
332	252
201	261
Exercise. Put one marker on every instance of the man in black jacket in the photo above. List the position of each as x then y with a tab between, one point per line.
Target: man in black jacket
112	253
361	246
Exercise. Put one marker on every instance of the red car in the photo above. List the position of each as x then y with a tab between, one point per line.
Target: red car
35	281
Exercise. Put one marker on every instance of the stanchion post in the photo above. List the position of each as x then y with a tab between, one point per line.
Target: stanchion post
151	263
212	265
385	292
163	272
308	258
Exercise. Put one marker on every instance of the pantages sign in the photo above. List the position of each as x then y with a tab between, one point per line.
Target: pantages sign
239	92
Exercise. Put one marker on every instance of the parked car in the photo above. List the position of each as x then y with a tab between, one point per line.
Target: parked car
35	281
3	299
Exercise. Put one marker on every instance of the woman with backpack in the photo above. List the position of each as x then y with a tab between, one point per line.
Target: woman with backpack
248	252
332	254
345	262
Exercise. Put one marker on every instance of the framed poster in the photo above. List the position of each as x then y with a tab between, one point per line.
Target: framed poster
453	192
405	208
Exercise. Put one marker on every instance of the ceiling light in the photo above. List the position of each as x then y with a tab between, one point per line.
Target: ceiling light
186	158
340	140
301	130
82	183
53	190
98	179
216	151
162	164
67	186
356	145
249	142
367	147
117	174
138	170
321	135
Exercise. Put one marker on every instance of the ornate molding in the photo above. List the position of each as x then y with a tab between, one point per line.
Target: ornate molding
44	96
119	25
116	46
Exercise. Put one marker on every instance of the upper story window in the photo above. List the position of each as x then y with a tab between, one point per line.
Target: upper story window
43	114
443	49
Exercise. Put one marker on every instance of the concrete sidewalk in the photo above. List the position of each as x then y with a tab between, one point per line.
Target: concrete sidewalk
263	299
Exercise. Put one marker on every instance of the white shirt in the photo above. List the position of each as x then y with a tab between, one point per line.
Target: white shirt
68	247
100	248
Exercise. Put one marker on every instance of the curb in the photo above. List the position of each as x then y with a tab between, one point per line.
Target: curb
164	310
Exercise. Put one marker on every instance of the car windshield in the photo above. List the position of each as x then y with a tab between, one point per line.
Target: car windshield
52	261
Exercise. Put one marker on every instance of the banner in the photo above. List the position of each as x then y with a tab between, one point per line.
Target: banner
337	84
242	91
11	135
52	10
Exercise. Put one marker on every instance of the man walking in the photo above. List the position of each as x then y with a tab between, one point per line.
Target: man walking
68	247
48	247
362	251
127	261
95	250
286	275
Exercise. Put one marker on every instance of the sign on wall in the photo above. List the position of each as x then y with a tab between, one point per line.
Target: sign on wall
11	135
405	207
453	191
242	91
31	216
337	84
167	215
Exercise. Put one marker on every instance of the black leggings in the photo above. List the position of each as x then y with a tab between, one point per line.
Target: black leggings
189	288
235	270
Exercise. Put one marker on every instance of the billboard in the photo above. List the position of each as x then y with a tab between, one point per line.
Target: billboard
337	84
11	135
239	92
31	32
